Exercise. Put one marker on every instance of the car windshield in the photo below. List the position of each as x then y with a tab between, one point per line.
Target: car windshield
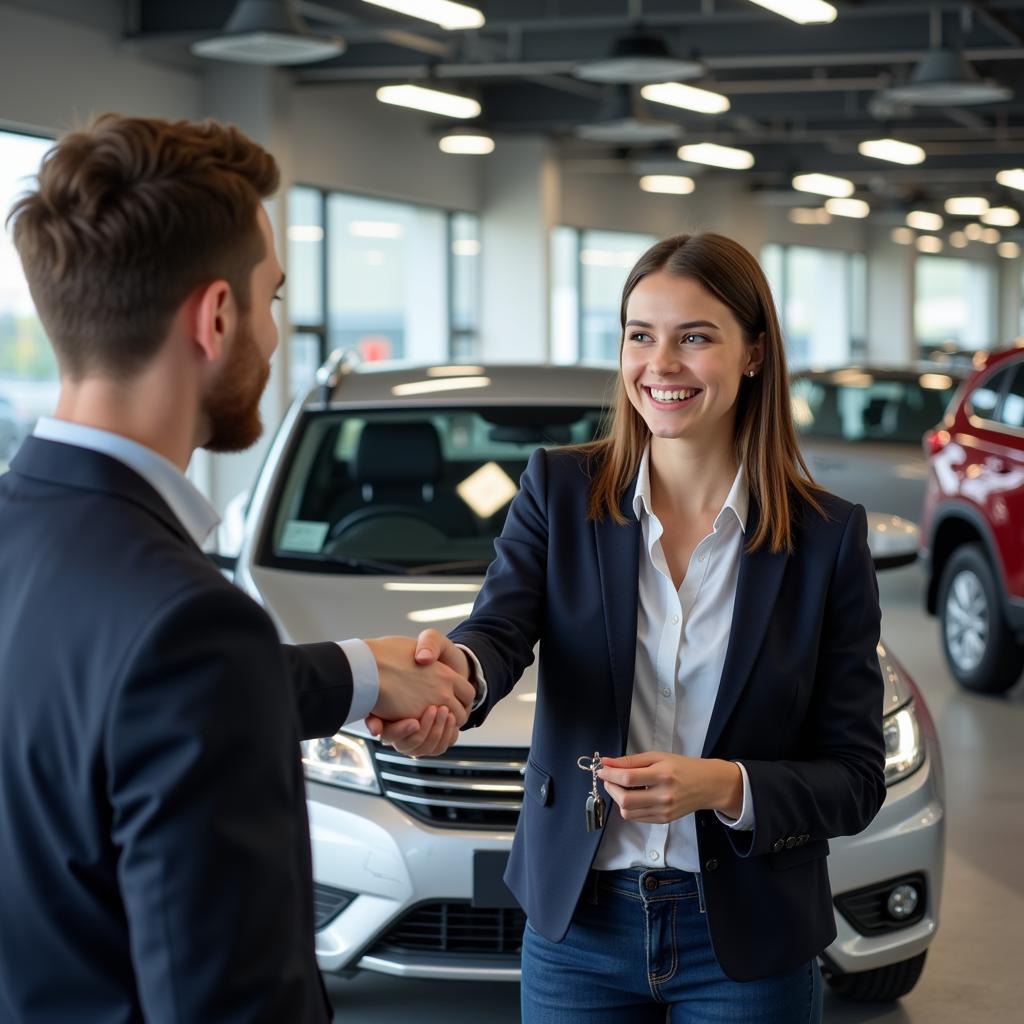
854	405
409	491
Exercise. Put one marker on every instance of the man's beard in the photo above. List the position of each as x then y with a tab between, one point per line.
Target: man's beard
232	405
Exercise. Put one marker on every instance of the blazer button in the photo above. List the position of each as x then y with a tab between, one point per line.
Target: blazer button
779	844
711	865
791	842
544	791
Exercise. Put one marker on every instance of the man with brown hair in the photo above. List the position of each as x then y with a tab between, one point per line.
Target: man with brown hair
154	846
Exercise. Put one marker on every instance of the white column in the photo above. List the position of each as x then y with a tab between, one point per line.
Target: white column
891	291
519	210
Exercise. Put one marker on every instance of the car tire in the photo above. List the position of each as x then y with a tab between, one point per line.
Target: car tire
981	651
882	985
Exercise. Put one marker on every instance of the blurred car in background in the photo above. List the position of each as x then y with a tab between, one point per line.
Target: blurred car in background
860	430
376	512
12	429
972	530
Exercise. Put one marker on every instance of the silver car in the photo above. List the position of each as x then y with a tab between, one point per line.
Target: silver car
861	429
375	513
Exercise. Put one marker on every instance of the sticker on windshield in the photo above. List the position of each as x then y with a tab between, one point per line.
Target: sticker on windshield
303	535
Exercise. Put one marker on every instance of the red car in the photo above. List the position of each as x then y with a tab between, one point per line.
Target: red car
972	529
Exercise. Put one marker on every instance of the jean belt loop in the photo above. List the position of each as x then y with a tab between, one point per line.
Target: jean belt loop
700	892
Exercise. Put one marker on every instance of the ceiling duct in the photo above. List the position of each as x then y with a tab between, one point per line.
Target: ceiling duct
267	32
639	60
621	123
944	79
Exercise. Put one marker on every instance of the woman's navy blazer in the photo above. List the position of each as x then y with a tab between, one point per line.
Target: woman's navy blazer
800	703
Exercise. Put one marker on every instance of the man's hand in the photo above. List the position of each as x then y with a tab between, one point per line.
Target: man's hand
656	788
437	729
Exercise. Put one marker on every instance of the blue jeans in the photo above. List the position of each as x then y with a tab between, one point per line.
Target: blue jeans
638	950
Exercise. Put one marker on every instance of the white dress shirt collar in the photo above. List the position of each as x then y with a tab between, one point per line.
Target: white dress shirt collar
737	501
191	509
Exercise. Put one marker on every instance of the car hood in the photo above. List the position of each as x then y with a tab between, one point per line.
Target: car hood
311	607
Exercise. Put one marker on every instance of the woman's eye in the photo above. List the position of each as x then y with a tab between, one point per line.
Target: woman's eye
691	339
639	336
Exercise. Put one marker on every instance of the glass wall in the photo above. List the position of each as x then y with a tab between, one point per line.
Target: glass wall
588	270
28	370
388	280
954	303
821	295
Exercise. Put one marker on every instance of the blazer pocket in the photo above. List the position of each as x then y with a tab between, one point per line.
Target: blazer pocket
538	783
798	855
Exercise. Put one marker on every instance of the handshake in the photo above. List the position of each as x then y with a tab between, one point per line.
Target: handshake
425	693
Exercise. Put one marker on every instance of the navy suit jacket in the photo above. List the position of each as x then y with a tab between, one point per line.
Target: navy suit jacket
800	703
154	846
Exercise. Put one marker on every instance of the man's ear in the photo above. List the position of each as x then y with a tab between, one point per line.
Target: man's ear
213	318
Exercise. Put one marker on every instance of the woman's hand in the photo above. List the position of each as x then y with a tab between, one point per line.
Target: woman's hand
656	787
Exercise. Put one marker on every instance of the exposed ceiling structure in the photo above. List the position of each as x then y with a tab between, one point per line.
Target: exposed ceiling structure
801	97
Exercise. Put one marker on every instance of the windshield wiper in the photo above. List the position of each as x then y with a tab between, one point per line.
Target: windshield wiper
454	568
366	565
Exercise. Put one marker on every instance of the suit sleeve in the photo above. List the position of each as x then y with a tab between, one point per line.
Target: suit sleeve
322	685
207	812
505	624
840	786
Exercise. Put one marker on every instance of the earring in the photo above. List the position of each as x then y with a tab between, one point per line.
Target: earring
750	373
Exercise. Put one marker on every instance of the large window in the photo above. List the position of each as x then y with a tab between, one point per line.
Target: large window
588	270
954	303
821	295
385	279
28	370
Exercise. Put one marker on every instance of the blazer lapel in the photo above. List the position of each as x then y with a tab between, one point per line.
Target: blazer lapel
760	577
618	560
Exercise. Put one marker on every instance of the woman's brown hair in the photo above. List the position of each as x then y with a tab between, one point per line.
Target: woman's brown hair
129	217
765	439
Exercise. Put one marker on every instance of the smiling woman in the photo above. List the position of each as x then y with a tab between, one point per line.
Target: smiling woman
28	371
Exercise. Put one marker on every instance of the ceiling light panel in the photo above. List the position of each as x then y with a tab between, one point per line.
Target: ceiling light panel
902	236
670	184
1001	217
929	243
431	101
848	208
924	221
803	12
466	145
1013	178
688	97
441	12
966	206
824	185
809	215
714	155
1008	250
892	150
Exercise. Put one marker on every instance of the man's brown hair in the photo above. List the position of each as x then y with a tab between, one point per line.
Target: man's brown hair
130	216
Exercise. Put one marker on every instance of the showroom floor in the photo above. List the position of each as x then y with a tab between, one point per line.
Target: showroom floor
973	970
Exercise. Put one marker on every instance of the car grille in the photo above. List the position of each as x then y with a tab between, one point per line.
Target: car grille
454	927
468	787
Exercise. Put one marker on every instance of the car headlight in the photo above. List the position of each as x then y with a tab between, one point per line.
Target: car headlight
904	751
340	760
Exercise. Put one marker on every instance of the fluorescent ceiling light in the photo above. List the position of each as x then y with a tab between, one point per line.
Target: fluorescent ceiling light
810	215
689	97
638	59
803	12
426	387
892	150
441	12
451	611
462	370
1001	216
466	145
1013	178
924	221
974	232
416	588
847	207
991	236
305	233
902	236
966	206
487	489
374	229
929	243
465	247
717	156
944	79
958	240
824	185
935	381
432	101
670	184
1008	250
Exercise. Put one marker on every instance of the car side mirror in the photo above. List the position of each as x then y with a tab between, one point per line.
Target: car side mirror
893	541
